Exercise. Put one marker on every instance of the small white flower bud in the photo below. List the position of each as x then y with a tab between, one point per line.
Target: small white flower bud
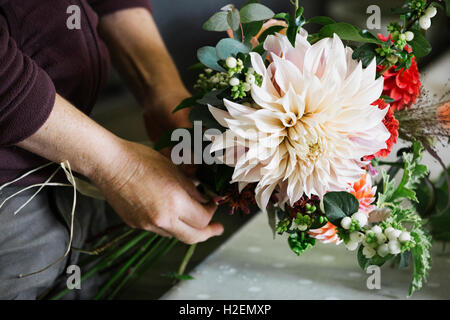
402	36
251	71
383	250
356	236
361	218
377	229
346	222
425	22
370	245
409	35
394	247
368	252
231	62
430	12
381	238
250	78
405	236
246	86
351	245
302	227
392	234
234	82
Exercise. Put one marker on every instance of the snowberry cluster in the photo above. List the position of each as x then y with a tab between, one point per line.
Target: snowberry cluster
239	88
209	81
379	240
425	19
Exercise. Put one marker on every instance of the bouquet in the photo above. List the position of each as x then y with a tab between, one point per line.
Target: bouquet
299	123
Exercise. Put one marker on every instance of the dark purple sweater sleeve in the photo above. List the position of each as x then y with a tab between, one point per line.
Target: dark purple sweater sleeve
27	93
103	7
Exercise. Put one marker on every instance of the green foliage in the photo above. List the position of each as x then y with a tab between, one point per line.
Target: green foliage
233	19
175	275
208	57
255	12
230	47
421	258
295	23
186	103
218	22
348	32
300	242
338	205
413	172
440	217
420	45
321	20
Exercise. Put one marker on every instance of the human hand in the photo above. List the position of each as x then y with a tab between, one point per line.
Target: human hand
150	193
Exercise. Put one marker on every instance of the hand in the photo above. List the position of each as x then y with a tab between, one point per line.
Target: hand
158	113
150	193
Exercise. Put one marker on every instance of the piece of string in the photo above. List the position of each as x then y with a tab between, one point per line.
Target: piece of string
65	165
68	171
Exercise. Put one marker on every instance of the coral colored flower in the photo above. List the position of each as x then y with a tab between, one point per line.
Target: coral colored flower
402	85
269	23
365	193
443	114
326	234
392	125
312	124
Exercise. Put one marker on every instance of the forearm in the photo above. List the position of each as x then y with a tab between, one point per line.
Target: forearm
68	134
140	55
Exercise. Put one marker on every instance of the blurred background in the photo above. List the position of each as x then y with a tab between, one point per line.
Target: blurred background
180	23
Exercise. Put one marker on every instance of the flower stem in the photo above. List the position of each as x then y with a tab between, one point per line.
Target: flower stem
186	259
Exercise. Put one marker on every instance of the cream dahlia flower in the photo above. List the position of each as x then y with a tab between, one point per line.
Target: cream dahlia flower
311	122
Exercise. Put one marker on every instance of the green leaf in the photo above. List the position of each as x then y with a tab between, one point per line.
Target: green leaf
346	31
270	31
387	99
282	16
420	45
421	258
255	12
338	205
365	53
218	22
212	98
201	113
165	141
299	242
208	57
234	19
321	20
222	176
229	47
249	30
447	7
186	103
272	219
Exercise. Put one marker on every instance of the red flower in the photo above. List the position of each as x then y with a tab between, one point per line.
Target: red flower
392	125
238	201
402	85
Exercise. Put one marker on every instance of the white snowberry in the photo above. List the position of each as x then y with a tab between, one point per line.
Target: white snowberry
405	236
356	236
346	223
383	250
381	238
231	62
250	78
368	252
425	22
394	247
361	218
351	245
377	229
392	234
234	82
430	12
409	36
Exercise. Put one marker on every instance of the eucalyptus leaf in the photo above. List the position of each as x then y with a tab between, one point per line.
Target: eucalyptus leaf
255	12
208	57
234	19
218	22
230	47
